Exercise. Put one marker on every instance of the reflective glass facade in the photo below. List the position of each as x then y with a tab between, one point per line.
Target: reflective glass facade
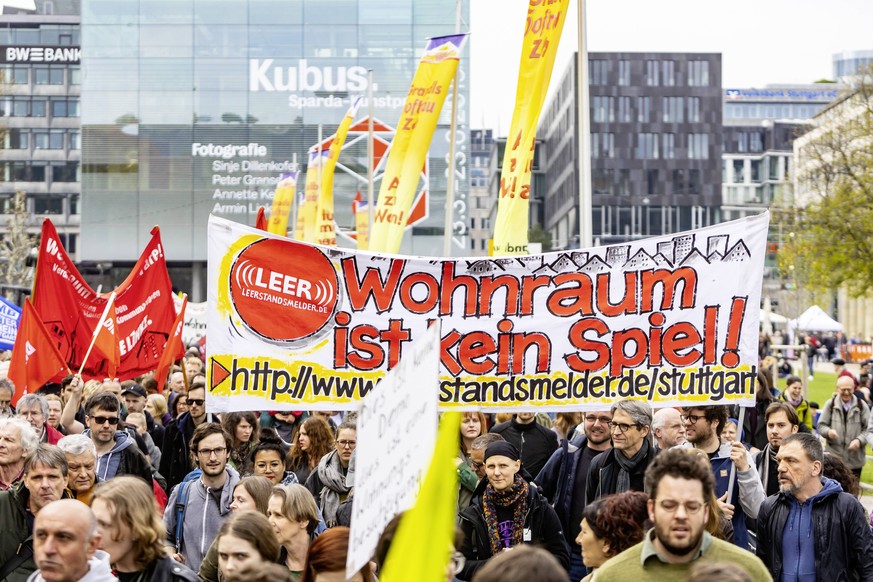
192	107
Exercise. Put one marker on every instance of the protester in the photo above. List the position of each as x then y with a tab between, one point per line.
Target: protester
81	455
729	434
7	390
793	395
477	455
565	424
178	405
261	572
703	426
176	383
193	367
132	532
562	481
135	399
250	494
623	467
535	441
156	405
754	429
293	515
138	422
55	407
835	468
268	460
846	425
65	542
45	476
668	428
523	564
17	440
326	559
34	409
812	530
117	453
611	525
782	422
314	440
326	416
679	483
245	539
473	424
175	459
197	508
244	431
509	512
328	482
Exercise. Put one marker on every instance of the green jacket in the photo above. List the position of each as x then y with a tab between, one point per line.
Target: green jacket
804	414
17	534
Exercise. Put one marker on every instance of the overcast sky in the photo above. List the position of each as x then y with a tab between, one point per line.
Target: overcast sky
761	41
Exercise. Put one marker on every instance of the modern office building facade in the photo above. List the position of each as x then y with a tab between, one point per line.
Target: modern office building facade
192	108
482	149
39	112
848	64
655	147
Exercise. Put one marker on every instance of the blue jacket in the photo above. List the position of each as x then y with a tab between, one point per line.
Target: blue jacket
557	480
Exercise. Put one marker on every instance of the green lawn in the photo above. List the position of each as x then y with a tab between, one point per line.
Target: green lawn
822	388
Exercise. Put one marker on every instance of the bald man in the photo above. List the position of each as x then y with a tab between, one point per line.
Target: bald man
668	428
845	422
65	542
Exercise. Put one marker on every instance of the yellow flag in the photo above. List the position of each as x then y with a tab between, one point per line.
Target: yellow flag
298	228
542	32
412	140
422	547
362	225
310	200
325	231
282	201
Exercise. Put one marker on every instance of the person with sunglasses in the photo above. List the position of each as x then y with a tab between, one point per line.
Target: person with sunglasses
117	453
329	483
175	458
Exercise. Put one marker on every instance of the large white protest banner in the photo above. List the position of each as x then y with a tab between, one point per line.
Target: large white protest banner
195	320
671	320
397	428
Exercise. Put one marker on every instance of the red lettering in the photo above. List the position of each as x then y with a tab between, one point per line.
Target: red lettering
628	303
581	343
359	341
432	292
372	286
678	337
473	346
575	300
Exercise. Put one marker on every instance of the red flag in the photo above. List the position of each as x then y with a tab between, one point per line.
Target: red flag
356	202
35	357
173	349
261	220
105	338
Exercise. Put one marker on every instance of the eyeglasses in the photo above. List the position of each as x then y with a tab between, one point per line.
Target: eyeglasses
622	426
101	420
209	452
596	419
476	465
344	444
691	418
195	402
671	506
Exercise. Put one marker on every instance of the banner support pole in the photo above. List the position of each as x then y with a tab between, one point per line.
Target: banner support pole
371	157
453	127
110	303
584	149
293	228
740	421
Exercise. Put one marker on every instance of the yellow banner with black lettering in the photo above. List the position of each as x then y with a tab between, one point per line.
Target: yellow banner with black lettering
309	208
282	201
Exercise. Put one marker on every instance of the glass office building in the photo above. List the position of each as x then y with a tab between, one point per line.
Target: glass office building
192	107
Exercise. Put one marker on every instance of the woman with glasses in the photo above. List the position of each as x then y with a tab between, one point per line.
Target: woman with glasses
244	431
314	440
509	512
330	482
611	525
268	459
293	515
473	424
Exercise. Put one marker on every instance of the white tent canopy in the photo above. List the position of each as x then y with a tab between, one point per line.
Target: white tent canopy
815	319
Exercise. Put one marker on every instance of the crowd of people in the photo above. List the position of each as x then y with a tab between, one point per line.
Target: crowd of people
118	481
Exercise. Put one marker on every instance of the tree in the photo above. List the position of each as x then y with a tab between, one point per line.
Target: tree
828	244
17	245
538	235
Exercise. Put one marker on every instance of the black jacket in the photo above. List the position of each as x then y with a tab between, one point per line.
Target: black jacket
168	570
175	462
841	533
557	480
541	520
535	442
603	474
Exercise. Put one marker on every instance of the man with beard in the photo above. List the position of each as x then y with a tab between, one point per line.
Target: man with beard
117	453
812	530
782	422
679	483
703	426
562	480
196	509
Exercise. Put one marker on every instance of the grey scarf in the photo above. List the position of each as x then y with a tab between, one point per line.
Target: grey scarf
626	466
330	471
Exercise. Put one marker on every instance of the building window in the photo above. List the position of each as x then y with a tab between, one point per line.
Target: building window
16	74
694	184
65	107
48	205
75	76
17	139
742	142
602	145
652	182
647	146
756	142
693	109
603	109
673	109
668	146
739	171
598	72
668	73
65	172
756	170
698	73
698	146
601	180
643	109
678	181
624	187
624	73
625	114
652	73
774	168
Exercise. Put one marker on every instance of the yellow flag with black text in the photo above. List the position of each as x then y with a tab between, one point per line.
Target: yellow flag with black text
283	198
542	33
310	194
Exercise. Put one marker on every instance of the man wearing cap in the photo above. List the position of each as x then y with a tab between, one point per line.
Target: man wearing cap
135	398
510	511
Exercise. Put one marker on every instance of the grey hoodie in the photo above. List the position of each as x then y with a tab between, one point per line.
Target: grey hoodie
203	516
107	463
98	570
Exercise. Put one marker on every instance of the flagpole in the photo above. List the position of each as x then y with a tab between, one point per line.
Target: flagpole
584	160
450	184
320	164
294	201
110	303
371	157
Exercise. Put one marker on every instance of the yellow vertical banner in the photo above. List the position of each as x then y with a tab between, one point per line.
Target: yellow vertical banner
282	201
325	231
298	228
412	139
542	32
310	201
362	225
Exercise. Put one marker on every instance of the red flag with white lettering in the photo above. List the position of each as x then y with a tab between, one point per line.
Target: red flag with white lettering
35	357
106	338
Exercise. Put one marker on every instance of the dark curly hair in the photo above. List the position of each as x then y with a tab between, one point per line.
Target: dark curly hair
320	444
680	464
835	468
618	519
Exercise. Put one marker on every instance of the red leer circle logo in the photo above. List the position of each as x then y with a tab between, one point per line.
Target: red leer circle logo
283	291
